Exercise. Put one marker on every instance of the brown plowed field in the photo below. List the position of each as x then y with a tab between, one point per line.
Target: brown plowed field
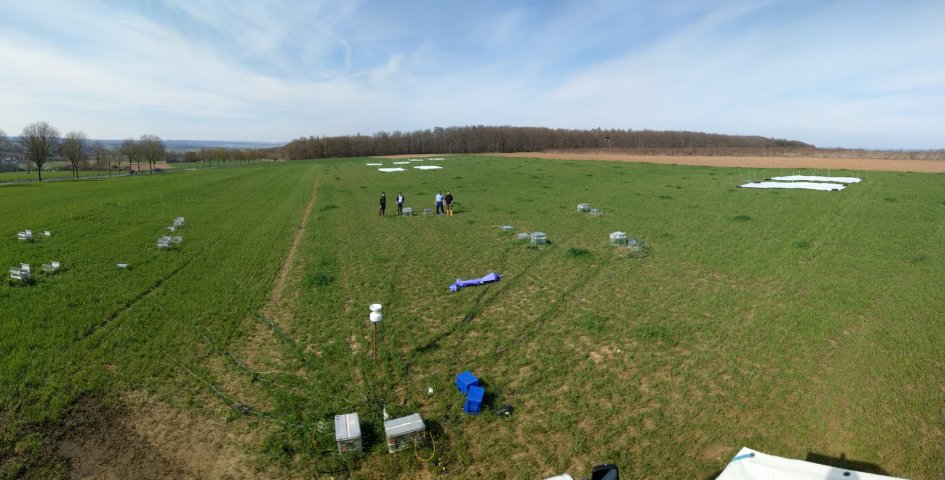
749	162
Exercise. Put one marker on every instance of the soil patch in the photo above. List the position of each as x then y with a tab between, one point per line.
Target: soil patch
931	166
142	438
100	445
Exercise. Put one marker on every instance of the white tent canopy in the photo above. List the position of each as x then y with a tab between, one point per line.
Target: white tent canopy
814	178
798	185
752	465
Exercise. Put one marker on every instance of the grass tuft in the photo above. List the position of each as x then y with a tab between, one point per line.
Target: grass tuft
576	252
654	333
319	279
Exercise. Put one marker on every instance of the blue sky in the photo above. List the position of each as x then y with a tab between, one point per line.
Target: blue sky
835	73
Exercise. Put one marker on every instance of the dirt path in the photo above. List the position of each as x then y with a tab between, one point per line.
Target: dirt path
277	291
931	166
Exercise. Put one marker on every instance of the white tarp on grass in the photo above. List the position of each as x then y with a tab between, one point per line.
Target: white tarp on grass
374	164
752	465
801	185
401	163
427	167
387	170
814	178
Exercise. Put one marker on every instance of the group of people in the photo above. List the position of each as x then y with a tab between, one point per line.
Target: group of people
444	203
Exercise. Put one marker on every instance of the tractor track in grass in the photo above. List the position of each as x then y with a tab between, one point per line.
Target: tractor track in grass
273	309
141	296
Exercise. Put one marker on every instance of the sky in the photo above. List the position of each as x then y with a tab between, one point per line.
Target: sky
834	73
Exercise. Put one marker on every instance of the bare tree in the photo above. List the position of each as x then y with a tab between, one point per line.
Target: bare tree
39	141
98	150
151	147
109	156
5	146
73	148
129	148
6	150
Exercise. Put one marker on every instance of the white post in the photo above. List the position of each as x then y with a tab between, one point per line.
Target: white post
376	316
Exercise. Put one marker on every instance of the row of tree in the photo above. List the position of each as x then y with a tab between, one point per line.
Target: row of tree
504	139
40	142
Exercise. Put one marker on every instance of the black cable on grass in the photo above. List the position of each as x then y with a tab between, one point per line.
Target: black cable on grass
485	297
226	354
281	335
236	405
550	312
301	356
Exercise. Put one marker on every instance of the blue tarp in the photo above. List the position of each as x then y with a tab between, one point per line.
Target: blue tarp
460	283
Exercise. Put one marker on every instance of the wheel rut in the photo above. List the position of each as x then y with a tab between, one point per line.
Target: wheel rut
273	308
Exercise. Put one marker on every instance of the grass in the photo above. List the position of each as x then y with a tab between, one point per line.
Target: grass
799	323
94	329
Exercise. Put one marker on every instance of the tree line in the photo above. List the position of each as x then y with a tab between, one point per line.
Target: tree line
505	139
40	142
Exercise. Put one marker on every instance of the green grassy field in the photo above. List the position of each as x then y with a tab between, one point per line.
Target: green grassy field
50	174
797	323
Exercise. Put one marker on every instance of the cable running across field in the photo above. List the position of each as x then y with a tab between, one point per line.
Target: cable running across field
226	354
550	312
230	401
484	299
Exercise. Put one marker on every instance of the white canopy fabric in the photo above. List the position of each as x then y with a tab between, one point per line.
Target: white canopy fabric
814	178
753	465
387	170
799	185
427	167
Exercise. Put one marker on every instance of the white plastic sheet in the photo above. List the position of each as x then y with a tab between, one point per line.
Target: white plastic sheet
814	178
374	164
753	465
798	185
388	170
427	167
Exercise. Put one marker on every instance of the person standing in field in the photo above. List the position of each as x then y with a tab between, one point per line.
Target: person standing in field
448	200
400	203
439	202
383	204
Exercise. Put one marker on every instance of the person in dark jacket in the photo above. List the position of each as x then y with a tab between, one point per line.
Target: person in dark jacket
383	204
448	202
